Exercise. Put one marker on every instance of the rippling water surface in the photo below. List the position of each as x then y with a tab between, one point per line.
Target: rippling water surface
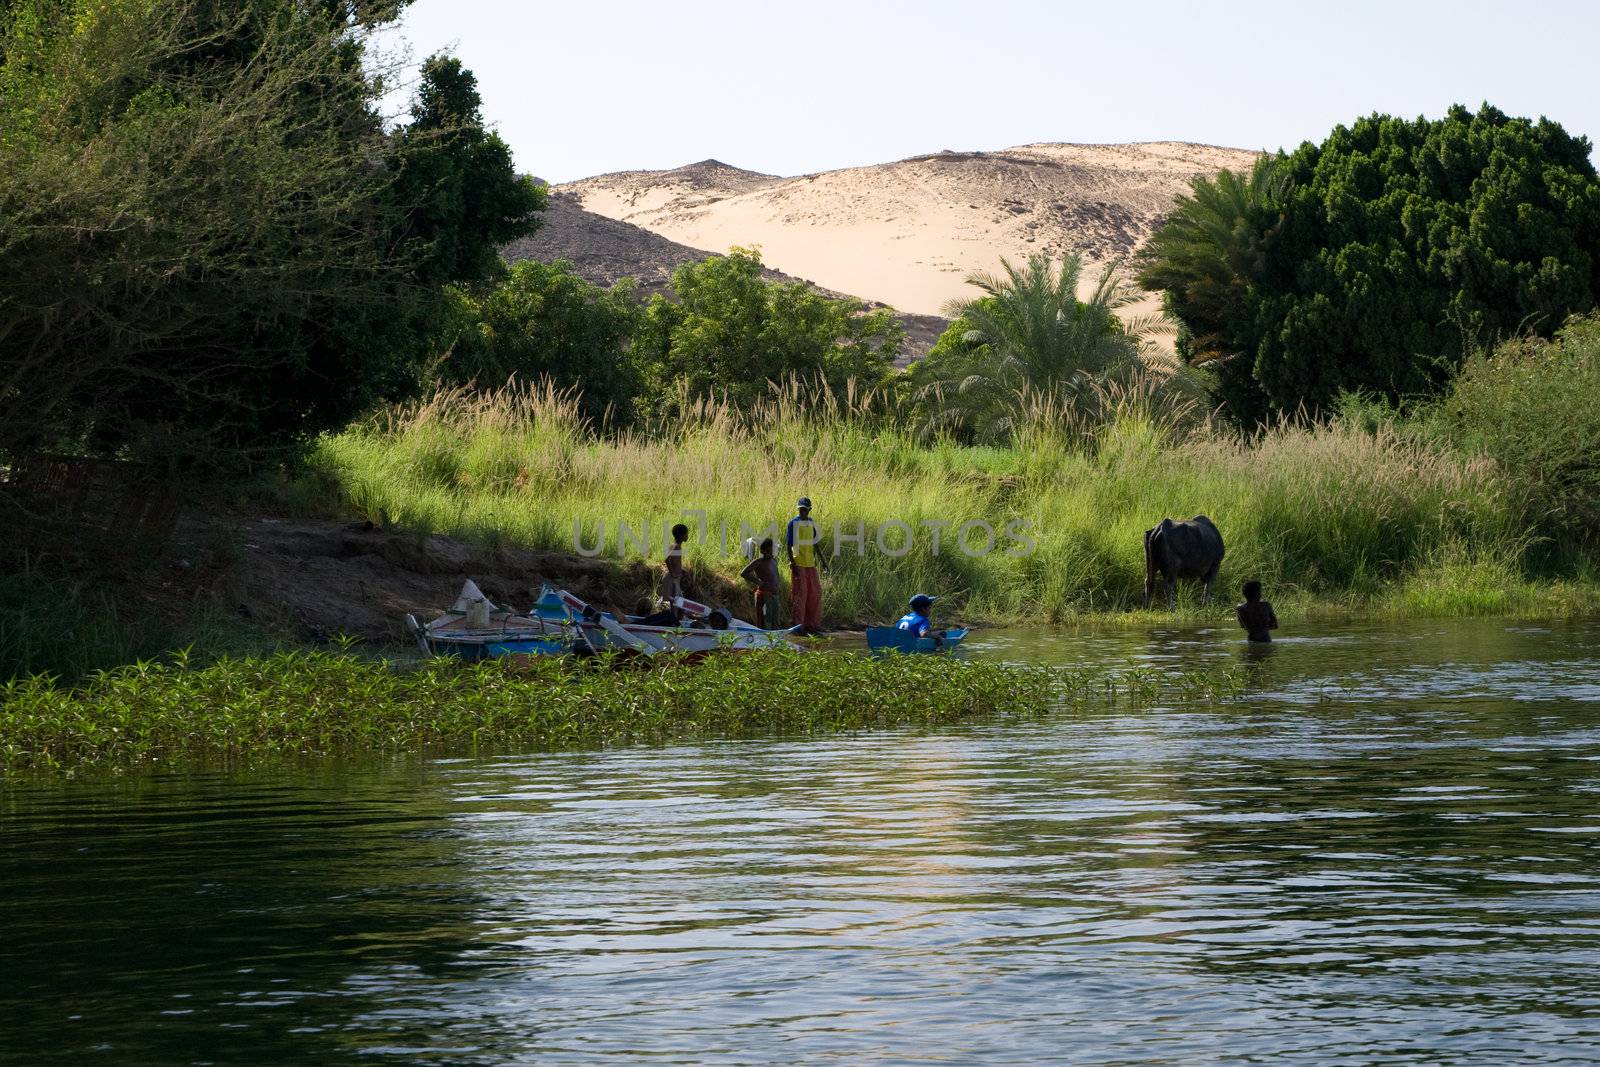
1387	853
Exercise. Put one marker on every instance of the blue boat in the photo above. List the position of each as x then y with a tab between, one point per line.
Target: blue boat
474	629
699	633
471	646
893	639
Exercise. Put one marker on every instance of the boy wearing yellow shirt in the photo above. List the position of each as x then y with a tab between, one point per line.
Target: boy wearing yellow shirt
800	543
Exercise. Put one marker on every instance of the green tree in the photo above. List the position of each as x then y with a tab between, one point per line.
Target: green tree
207	253
455	182
1028	334
730	333
1209	252
1403	245
543	321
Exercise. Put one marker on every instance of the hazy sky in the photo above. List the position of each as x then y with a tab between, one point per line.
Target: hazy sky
581	87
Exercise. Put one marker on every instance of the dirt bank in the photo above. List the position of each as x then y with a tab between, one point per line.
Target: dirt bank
310	580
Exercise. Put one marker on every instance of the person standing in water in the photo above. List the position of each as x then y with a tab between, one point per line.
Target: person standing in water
805	589
762	572
1256	615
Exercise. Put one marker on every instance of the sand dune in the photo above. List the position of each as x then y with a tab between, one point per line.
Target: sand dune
908	233
603	250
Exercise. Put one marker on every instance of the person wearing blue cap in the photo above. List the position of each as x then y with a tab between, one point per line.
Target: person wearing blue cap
917	619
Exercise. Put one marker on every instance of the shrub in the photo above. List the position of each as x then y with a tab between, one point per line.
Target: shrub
732	334
1534	406
545	322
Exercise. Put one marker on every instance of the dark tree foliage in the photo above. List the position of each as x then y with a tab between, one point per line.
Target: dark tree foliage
1396	248
454	178
543	321
1210	251
208	252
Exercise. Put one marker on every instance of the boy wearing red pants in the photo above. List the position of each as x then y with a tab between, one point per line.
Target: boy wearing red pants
801	543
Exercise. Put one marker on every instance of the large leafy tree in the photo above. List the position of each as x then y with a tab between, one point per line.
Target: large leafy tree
1027	334
1210	250
454	179
730	333
209	250
1403	245
545	322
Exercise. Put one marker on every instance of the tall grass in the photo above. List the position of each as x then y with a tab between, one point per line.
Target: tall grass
1316	511
71	627
67	628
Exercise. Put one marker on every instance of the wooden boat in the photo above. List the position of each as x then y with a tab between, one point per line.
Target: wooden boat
604	630
474	629
893	639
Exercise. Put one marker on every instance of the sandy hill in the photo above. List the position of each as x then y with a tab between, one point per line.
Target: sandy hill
603	250
908	233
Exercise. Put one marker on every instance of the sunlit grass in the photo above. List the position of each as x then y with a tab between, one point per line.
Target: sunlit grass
1331	514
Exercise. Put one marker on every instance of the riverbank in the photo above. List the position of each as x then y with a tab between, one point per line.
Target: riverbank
241	585
1378	810
1360	517
1338	519
317	703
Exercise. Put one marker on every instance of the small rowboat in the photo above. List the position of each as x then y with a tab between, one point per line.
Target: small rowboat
475	645
473	629
893	639
604	630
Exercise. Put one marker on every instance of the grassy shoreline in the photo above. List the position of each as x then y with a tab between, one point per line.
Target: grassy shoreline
317	703
1338	519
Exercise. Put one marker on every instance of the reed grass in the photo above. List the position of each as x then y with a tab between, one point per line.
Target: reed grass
70	627
298	703
1341	513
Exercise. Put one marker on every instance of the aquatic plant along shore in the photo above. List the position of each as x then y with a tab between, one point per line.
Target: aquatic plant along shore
1337	516
328	703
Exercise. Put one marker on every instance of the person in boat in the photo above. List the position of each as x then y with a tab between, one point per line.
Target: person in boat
1255	615
646	613
672	581
919	620
762	573
800	542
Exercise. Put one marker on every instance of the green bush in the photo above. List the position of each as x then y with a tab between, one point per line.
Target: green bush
1534	406
1374	261
730	335
545	322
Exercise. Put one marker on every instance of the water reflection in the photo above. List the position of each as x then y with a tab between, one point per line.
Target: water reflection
1386	854
187	918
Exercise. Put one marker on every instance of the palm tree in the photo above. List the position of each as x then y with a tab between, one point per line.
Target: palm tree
1210	249
1028	333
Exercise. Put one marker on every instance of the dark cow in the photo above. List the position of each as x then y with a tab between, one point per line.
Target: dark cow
1191	549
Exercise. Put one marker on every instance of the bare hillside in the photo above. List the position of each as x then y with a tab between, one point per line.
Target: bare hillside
908	233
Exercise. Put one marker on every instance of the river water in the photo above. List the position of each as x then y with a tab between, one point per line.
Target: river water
1388	852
